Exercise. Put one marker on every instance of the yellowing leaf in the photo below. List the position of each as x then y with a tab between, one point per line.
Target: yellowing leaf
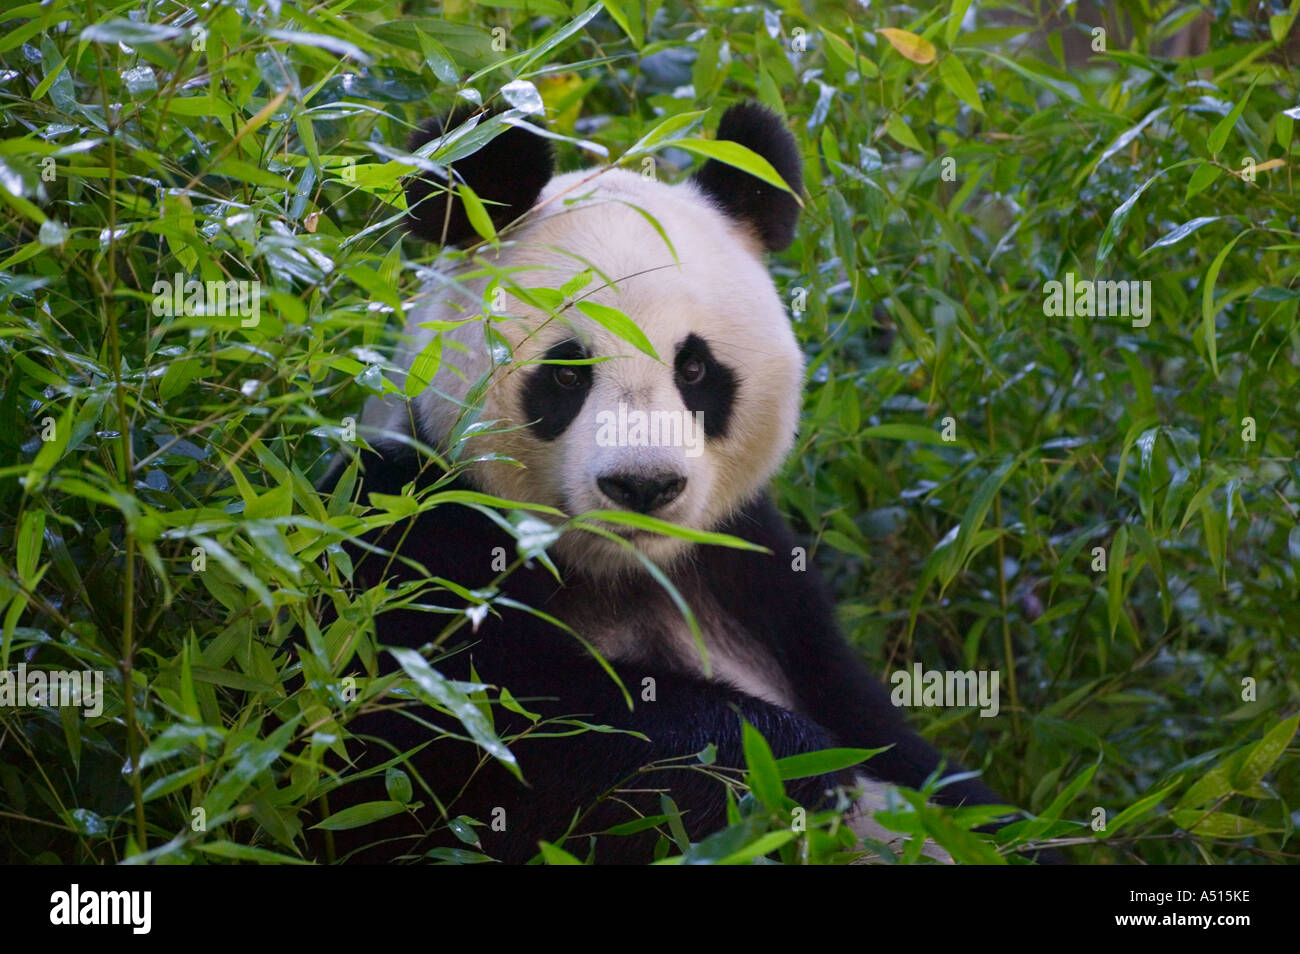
563	94
1265	166
839	48
916	48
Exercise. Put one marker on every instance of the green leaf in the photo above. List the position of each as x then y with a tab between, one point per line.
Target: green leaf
1180	232
1205	173
1136	811
238	852
439	691
463	830
560	36
899	129
458	856
1208	308
576	283
908	432
973	519
321	41
1115	578
398	784
250	761
556	856
764	776
959	82
437	58
966	847
1214	784
51	451
1279	24
763	845
477	214
627	14
734	154
1127	137
674	814
1264	754
613	320
842	50
424	368
644	522
254	175
666	131
356	816
1220	134
654	224
31	536
1059	804
1139	427
1118	219
822	762
956	13
636	825
1219	825
706	65
129	32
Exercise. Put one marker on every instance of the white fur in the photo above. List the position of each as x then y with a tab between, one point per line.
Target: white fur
654	627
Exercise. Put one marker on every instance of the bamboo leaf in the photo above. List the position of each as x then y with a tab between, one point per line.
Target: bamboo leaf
915	48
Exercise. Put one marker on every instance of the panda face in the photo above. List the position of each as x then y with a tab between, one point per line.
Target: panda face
575	416
686	437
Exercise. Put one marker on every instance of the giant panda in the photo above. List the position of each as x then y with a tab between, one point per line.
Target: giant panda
686	262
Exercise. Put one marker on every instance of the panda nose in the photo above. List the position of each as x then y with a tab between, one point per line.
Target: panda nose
642	494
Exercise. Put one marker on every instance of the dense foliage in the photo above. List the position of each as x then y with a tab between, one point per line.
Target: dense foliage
967	445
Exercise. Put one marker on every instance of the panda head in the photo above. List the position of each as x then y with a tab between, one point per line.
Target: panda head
688	435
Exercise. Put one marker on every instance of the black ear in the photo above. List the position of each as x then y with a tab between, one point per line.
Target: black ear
771	213
507	174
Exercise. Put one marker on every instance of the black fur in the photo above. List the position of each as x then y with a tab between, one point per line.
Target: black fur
770	212
714	394
784	611
549	406
509	171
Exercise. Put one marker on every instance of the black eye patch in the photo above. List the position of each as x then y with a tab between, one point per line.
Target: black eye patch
713	391
553	394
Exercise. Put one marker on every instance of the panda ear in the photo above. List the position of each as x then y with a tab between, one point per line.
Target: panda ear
770	212
508	174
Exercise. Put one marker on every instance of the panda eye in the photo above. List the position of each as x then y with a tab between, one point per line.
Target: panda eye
691	371
566	376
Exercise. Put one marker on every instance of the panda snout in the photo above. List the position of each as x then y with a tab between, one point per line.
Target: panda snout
644	494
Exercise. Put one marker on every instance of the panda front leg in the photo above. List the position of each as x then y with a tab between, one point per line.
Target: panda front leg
584	783
611	778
